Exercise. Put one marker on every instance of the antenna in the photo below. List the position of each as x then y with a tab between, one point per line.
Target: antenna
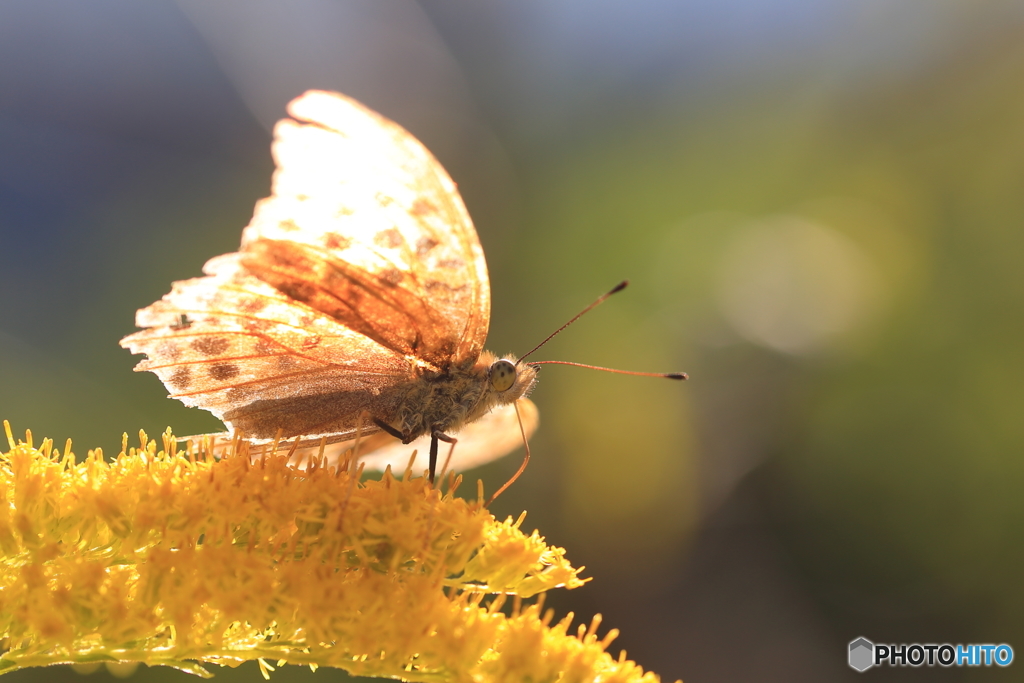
667	375
614	290
526	444
617	288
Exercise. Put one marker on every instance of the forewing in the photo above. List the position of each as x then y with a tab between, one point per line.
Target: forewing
261	361
365	226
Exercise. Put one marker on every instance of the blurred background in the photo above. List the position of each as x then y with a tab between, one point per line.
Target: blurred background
819	203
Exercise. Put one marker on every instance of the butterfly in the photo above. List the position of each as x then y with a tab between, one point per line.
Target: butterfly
356	307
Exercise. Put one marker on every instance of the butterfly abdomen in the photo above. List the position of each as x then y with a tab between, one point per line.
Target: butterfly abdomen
339	412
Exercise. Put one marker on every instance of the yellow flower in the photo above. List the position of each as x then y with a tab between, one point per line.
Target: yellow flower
179	559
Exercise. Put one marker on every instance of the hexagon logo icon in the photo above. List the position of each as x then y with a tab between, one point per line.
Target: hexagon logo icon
862	654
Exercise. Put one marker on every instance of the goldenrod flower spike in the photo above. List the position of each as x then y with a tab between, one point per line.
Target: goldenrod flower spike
180	559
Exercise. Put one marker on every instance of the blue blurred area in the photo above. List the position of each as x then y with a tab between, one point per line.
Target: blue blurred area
820	208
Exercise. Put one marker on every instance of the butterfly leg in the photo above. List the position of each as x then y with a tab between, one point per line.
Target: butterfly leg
391	430
436	436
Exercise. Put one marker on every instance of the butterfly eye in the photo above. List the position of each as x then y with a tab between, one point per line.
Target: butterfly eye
503	375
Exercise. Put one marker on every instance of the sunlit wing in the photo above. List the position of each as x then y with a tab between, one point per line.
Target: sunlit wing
365	226
261	361
493	436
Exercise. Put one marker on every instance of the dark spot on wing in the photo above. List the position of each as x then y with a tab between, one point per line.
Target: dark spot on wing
258	325
422	207
210	346
333	240
424	245
435	285
451	263
390	276
180	378
266	348
223	371
300	291
253	305
390	239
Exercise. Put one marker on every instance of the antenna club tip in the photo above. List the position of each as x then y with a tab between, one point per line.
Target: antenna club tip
677	375
619	287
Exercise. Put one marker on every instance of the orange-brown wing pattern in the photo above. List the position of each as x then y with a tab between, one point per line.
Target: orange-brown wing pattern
365	226
261	361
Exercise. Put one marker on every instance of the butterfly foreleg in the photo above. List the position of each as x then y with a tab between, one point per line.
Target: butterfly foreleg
391	430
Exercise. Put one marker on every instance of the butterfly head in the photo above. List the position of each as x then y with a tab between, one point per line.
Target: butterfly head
510	380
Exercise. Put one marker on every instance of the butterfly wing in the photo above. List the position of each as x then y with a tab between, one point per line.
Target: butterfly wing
360	268
365	226
260	361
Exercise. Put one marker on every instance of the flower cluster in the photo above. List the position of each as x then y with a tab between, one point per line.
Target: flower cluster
173	557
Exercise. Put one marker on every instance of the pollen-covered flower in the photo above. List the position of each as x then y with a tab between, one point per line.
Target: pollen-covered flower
172	557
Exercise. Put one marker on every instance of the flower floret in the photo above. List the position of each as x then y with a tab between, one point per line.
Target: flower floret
175	557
